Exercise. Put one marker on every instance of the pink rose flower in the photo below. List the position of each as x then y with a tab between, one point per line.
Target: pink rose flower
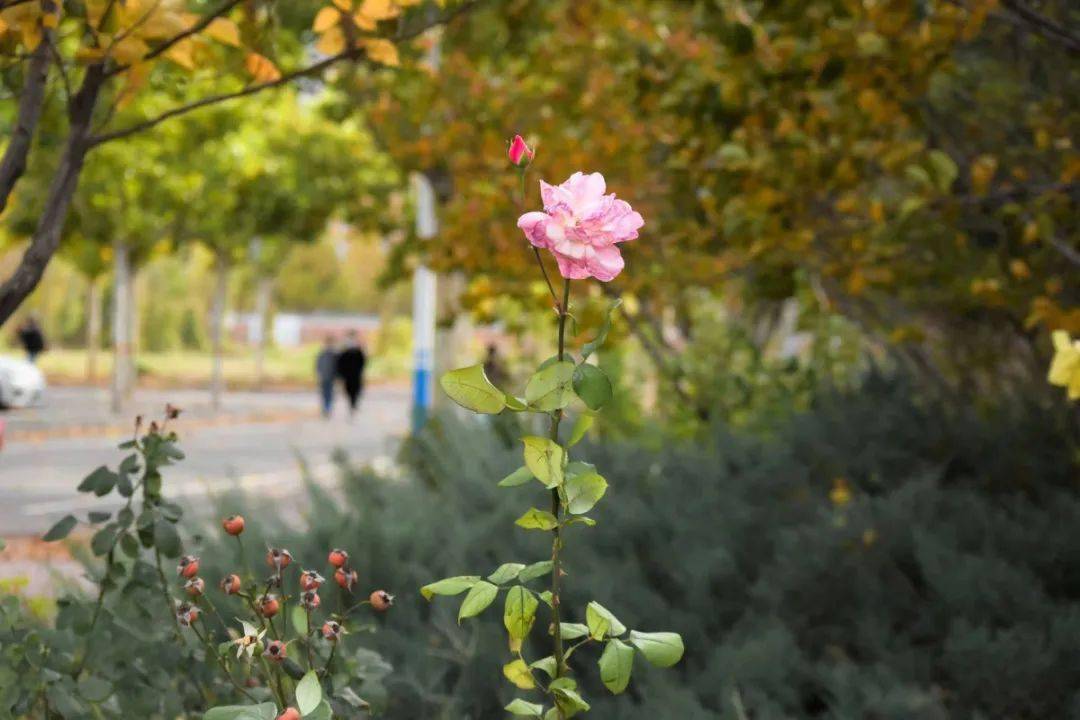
520	153
582	227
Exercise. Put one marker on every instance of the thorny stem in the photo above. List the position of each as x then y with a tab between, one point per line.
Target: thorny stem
556	507
330	660
307	641
270	682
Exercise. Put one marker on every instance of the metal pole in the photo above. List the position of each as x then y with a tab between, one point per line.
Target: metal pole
424	288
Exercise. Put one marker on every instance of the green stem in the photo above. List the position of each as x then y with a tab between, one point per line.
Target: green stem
169	604
307	641
556	508
217	656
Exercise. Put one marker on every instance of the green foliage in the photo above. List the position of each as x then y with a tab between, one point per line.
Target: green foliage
946	587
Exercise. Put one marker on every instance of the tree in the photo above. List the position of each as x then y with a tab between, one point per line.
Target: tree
906	165
101	53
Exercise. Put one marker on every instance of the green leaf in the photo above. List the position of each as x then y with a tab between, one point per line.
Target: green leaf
449	586
584	487
944	168
535	519
581	426
546	664
616	664
308	693
590	347
130	546
518	673
100	481
470	388
662	649
602	622
570	702
515	403
573	631
480	596
519	612
592	385
321	712
582	519
103	539
166	538
538	569
298	617
519	477
264	711
505	573
551	388
525	709
95	689
544	458
61	529
98	516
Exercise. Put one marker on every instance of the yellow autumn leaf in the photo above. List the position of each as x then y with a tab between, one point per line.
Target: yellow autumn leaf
326	18
332	41
380	9
518	673
182	53
224	31
382	51
128	50
1064	368
261	68
135	80
50	20
343	5
363	22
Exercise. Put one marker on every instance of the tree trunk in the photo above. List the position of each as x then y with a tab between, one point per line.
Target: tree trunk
65	180
217	332
121	320
262	312
93	329
31	101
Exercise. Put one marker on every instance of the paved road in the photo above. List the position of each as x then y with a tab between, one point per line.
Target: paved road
254	443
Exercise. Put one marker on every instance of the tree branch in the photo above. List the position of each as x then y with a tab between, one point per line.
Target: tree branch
193	30
31	102
315	69
1047	27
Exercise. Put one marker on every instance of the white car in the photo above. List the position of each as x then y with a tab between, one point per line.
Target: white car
21	383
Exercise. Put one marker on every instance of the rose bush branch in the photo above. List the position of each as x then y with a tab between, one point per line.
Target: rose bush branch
582	226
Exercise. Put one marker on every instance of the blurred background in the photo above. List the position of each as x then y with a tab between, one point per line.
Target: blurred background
836	465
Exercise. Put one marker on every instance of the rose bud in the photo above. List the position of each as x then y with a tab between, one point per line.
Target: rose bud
278	559
310	600
381	600
171	411
195	586
186	614
345	578
289	714
268	606
331	630
276	651
188	567
519	153
230	584
311	580
338	558
234	524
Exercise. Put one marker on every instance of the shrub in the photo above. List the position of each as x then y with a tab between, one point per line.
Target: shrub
877	556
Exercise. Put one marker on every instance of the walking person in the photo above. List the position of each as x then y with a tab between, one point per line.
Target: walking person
350	368
31	338
326	373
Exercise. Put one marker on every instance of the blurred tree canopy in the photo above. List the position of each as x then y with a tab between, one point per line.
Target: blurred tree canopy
909	165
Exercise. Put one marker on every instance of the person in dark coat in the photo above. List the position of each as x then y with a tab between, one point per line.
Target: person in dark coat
326	373
350	368
31	337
